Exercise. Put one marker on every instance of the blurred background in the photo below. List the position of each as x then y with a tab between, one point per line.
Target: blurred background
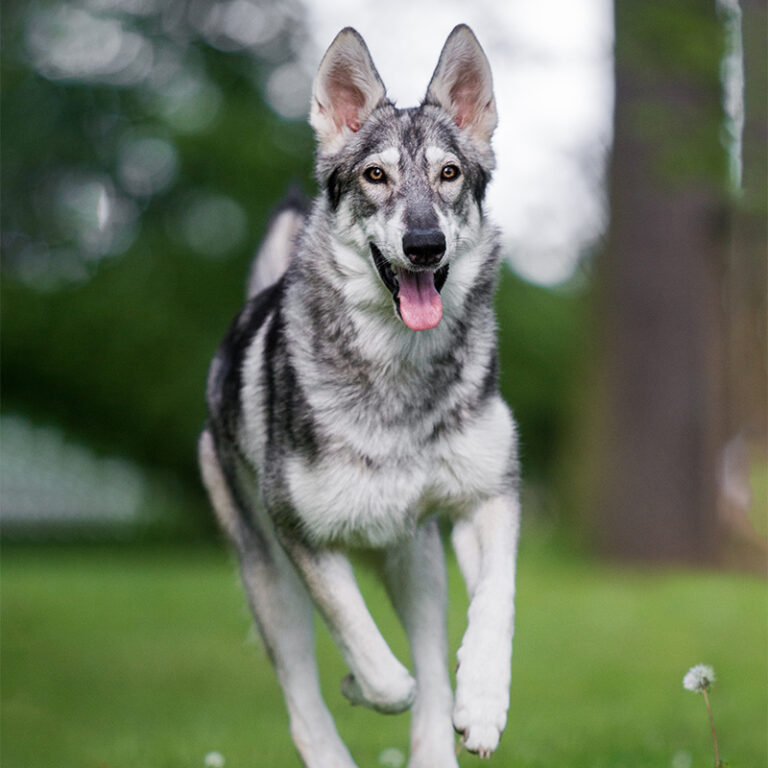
144	143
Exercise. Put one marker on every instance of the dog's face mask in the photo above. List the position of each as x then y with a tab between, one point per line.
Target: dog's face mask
406	186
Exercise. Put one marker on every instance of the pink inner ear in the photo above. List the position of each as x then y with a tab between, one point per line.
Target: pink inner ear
346	101
465	95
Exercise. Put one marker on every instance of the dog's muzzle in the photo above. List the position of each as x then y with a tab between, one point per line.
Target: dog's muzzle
416	293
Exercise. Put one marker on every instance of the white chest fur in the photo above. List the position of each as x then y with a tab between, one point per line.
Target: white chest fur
344	497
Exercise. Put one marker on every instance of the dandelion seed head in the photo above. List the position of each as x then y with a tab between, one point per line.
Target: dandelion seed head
681	759
699	678
214	760
391	757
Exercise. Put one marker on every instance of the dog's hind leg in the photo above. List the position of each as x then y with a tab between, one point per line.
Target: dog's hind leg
284	617
415	576
377	679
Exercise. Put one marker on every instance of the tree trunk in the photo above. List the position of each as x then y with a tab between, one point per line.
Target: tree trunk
661	286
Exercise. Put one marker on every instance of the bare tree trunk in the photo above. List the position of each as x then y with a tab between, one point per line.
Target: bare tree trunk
662	286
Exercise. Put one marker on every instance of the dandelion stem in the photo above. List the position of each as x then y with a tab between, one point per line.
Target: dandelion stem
712	723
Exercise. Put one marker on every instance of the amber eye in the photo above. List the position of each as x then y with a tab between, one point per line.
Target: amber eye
450	173
375	175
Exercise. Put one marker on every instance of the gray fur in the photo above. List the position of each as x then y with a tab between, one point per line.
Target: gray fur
333	424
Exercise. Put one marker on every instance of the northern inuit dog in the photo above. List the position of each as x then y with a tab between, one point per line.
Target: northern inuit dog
355	396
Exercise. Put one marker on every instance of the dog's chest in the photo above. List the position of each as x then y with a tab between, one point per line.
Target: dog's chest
373	490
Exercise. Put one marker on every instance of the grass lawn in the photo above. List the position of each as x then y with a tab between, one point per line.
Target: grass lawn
144	658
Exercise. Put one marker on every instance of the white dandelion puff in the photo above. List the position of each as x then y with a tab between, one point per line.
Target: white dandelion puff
214	760
682	759
391	757
699	678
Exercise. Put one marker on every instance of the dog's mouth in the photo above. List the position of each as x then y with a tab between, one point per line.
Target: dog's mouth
416	294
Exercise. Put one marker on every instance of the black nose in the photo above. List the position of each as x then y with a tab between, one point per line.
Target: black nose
424	247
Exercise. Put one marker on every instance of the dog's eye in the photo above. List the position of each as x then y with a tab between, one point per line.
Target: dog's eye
450	173
375	175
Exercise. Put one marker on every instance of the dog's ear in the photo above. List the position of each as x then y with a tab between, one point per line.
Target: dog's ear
346	90
462	84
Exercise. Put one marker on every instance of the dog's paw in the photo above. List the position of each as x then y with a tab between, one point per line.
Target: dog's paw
480	720
482	691
479	736
394	697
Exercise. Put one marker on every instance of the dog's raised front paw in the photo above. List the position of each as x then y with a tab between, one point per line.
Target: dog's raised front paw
482	691
480	731
397	696
480	721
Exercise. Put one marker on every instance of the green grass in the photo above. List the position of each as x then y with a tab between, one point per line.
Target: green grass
144	658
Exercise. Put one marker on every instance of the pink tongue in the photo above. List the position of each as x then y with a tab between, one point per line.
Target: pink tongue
420	304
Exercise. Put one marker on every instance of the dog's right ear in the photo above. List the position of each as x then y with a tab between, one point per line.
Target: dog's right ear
346	90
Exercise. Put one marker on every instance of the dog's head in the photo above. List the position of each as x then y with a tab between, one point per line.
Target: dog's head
405	186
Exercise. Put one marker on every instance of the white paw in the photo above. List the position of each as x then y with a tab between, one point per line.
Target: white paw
479	735
480	714
396	695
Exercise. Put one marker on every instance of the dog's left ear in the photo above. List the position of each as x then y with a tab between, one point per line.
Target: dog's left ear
462	85
346	90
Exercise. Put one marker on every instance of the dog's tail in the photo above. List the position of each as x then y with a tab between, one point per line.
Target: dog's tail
279	243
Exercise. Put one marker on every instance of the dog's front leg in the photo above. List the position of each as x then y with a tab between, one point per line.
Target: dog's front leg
416	581
377	679
486	544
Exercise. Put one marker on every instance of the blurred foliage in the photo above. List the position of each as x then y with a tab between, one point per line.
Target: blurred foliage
118	354
676	50
112	300
541	354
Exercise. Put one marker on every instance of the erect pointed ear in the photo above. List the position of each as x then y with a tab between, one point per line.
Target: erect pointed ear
462	84
346	90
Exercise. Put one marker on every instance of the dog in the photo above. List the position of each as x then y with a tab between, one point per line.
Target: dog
355	397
